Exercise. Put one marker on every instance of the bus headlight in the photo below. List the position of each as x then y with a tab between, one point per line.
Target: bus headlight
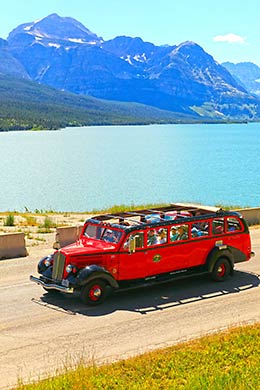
47	261
69	268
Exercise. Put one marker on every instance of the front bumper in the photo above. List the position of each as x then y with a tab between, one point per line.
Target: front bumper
52	286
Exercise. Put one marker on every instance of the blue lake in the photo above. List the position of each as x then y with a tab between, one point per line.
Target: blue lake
79	169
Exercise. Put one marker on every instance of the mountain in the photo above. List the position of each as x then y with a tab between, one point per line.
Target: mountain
134	50
54	28
9	65
247	74
62	53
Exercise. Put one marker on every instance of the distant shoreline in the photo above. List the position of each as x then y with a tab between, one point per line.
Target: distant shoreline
206	122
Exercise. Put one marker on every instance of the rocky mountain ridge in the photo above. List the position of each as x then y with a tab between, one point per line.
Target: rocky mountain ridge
64	54
247	74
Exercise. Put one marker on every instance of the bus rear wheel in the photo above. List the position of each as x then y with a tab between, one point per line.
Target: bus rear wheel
221	270
94	292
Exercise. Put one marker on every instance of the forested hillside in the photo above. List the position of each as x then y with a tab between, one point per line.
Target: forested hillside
28	105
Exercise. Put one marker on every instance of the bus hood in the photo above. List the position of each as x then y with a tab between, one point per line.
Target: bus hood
87	248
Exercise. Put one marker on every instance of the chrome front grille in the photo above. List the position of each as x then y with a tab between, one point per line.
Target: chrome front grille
58	266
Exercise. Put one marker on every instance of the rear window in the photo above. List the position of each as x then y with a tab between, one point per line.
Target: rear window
228	225
233	225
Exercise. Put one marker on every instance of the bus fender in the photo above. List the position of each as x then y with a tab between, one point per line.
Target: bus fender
216	253
92	272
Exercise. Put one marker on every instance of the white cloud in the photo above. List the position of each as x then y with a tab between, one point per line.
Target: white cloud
230	38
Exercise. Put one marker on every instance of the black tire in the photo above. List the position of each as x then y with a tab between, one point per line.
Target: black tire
94	293
221	270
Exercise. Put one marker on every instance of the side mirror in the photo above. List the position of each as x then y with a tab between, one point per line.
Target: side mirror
56	245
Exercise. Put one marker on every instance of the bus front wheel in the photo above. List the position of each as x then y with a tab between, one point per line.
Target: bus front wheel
94	292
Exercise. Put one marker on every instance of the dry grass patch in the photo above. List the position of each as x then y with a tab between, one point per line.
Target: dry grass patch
226	361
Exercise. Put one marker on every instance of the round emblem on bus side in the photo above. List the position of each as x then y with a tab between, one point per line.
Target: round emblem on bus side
157	258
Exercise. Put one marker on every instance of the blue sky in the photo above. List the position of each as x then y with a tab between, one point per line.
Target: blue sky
227	29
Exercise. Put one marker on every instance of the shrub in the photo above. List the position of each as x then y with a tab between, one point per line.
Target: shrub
9	220
46	226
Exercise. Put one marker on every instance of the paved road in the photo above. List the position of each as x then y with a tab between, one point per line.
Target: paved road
40	334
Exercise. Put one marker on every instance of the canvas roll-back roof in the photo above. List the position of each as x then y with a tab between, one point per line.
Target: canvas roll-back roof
153	217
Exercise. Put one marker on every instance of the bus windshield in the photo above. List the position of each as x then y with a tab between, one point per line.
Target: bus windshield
102	233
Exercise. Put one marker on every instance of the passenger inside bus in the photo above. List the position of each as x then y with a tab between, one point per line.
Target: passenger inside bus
199	229
218	226
179	233
109	236
152	238
173	233
182	232
218	229
163	236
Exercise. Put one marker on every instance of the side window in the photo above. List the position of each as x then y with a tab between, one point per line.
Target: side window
233	225
218	225
200	229
139	240
179	232
156	236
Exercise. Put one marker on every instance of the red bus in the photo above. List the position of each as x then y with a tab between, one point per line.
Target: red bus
135	248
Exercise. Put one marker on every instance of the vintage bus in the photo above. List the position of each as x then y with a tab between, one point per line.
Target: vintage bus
137	248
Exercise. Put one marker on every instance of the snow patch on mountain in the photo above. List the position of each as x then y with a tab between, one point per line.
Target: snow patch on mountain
54	45
28	28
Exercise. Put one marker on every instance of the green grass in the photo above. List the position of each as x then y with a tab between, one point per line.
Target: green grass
226	361
123	207
232	207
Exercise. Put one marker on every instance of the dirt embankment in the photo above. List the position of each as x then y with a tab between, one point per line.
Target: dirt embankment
39	229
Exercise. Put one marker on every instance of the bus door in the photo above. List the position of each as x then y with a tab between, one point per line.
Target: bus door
132	257
201	242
